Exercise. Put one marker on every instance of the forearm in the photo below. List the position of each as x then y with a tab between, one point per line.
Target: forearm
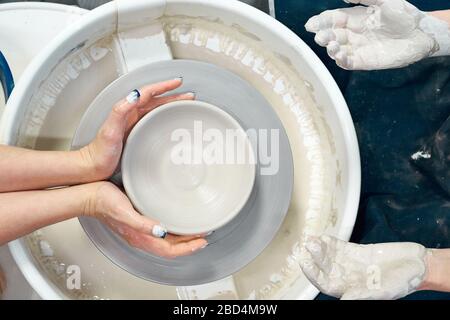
442	15
23	169
26	211
438	271
439	28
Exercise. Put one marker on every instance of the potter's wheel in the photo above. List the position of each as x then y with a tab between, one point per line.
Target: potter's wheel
244	238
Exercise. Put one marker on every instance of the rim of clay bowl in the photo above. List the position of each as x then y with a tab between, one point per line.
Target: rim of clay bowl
183	104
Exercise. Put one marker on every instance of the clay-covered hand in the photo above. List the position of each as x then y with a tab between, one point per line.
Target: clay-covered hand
352	271
110	205
104	152
381	34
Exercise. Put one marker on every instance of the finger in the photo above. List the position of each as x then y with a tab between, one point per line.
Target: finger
333	48
156	102
187	248
168	250
145	94
183	96
144	225
312	271
316	249
116	120
341	35
322	253
327	20
342	57
172	238
331	243
308	266
323	37
346	52
156	89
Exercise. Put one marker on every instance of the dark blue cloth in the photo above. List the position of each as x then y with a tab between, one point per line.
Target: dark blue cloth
396	113
6	77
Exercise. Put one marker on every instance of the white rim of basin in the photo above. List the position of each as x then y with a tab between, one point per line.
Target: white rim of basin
95	20
129	152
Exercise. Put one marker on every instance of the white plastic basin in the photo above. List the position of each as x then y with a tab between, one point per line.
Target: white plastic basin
234	36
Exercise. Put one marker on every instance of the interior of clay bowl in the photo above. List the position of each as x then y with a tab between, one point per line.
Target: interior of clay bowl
189	185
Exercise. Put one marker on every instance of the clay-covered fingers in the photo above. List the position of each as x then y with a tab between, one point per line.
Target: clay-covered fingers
323	251
343	57
327	20
312	271
172	238
353	19
340	36
318	250
345	48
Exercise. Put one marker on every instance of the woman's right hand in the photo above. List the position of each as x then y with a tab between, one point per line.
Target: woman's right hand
110	205
380	34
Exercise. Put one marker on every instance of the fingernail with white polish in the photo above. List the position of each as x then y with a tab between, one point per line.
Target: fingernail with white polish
159	231
133	97
191	94
179	78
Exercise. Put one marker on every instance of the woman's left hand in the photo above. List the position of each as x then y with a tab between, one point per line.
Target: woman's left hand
111	206
103	153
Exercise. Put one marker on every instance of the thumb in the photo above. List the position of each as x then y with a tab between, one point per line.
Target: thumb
116	122
146	225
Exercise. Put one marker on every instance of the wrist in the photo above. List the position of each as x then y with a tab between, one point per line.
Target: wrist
91	170
437	276
89	207
437	25
443	15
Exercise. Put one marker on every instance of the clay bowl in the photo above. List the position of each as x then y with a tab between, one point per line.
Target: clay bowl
190	166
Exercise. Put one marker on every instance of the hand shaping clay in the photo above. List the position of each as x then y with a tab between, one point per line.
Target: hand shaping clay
234	245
